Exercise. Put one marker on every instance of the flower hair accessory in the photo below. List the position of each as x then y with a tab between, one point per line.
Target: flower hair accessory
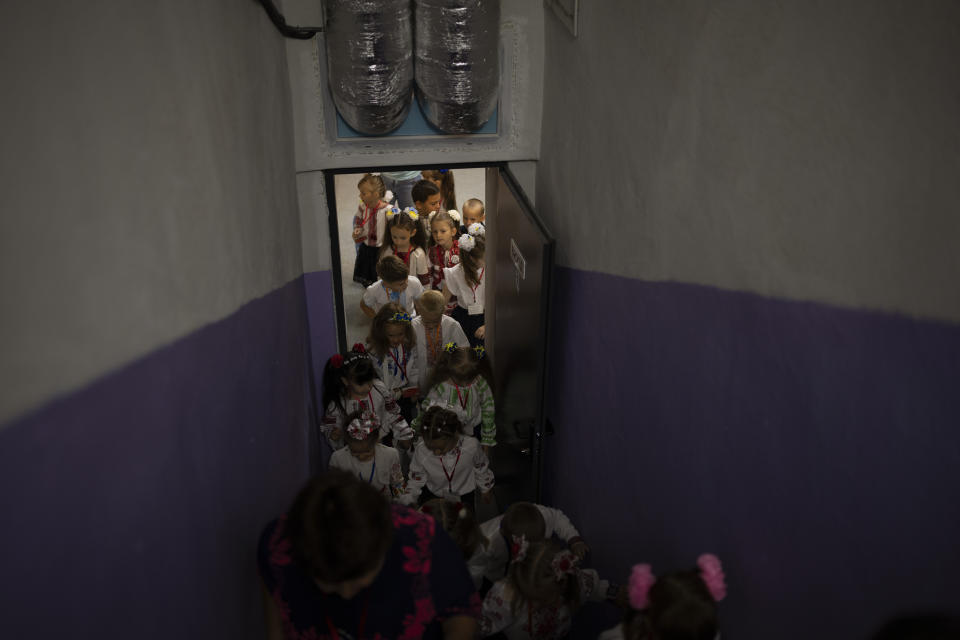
467	243
453	213
712	573
358	352
477	229
564	563
400	316
641	579
393	211
410	211
450	347
518	548
454	408
480	351
361	428
336	361
443	170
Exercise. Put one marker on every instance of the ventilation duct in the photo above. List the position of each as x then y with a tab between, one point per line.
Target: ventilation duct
370	62
458	62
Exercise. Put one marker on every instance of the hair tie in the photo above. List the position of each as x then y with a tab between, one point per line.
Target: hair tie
564	563
443	170
711	571
467	243
641	579
518	548
336	361
361	428
480	351
400	316
453	213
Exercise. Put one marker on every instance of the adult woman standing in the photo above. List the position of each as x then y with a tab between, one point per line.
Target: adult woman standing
343	563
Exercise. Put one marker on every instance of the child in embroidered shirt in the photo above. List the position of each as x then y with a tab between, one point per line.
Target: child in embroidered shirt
443	178
680	605
532	521
447	464
444	249
368	227
432	329
405	238
462	378
391	343
350	384
395	285
543	589
464	283
367	459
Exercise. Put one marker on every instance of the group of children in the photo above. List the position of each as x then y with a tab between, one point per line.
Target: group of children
402	253
412	414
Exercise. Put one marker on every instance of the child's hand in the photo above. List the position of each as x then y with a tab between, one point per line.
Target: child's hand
480	332
486	497
357	234
335	433
580	549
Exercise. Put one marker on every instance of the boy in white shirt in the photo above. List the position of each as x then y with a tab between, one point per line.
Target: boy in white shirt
395	285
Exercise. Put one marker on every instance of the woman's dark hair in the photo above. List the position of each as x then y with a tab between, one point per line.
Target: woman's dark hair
457	520
471	261
439	424
378	335
448	191
392	269
339	527
374	181
422	190
534	581
462	363
681	608
355	366
404	221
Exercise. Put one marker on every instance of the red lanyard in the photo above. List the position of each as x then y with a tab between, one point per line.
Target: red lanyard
401	367
462	398
406	258
367	212
360	403
479	280
452	471
360	626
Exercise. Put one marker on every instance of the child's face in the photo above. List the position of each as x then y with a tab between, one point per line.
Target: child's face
443	233
357	390
440	446
401	237
397	287
472	215
370	195
430	319
396	333
429	205
363	451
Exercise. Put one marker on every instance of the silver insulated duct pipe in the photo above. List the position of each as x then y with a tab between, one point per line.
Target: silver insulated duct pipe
370	62
458	62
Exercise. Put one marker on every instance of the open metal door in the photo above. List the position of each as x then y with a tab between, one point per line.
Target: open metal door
520	264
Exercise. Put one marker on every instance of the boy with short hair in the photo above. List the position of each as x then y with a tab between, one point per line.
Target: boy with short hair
395	285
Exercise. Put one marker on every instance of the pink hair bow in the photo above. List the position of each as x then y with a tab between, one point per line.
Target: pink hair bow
712	573
641	579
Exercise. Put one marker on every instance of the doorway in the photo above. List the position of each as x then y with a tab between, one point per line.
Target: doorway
519	264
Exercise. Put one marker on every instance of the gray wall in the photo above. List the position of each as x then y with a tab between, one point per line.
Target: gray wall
147	182
807	150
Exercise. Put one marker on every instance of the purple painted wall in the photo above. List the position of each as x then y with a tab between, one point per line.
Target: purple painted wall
816	450
132	507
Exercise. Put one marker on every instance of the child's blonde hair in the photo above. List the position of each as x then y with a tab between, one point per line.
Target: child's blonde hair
473	203
374	181
390	313
431	301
